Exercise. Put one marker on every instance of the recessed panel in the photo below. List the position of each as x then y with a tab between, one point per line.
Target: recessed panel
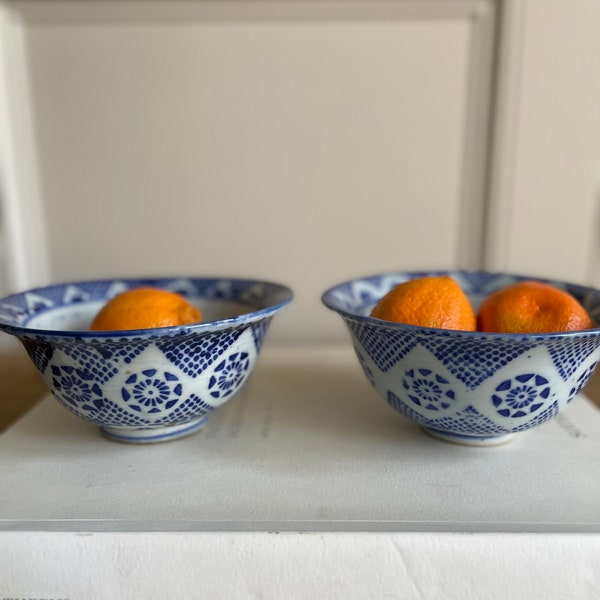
299	150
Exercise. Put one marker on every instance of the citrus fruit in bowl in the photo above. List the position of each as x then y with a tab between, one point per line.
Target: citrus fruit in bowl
169	352
461	383
145	307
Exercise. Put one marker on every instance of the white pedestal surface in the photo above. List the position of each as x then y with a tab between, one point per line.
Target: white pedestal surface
305	485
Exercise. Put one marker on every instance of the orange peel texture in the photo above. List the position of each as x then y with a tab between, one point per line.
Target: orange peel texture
428	302
532	307
144	308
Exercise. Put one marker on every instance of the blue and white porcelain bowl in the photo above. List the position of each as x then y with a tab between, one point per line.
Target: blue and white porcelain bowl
467	387
147	385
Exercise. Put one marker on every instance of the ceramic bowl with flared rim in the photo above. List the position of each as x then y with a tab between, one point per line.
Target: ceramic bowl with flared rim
467	387
146	385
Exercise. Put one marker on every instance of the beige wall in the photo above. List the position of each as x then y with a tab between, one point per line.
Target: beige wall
546	221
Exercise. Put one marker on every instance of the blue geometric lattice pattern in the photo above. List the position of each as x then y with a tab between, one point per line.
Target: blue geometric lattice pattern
469	421
568	354
157	385
194	354
101	361
472	360
384	347
39	351
466	422
259	330
581	380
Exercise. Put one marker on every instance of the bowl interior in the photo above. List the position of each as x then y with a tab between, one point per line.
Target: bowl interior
70	307
357	297
77	317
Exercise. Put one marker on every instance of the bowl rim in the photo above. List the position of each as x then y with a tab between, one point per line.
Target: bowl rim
281	289
327	298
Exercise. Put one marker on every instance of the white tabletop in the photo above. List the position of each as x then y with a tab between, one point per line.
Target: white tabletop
308	446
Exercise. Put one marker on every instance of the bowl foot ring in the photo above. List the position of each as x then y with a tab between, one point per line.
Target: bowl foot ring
154	435
467	440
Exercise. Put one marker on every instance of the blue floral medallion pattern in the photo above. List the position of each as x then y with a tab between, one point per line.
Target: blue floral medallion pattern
521	396
427	389
76	387
229	375
151	391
